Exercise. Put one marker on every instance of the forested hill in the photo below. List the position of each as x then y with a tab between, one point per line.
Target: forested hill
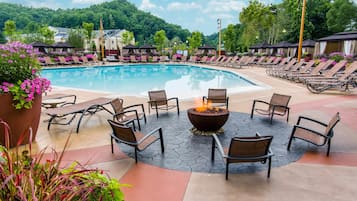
117	14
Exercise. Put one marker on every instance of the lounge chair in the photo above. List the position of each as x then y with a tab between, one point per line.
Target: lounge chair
281	67
244	149
312	135
315	71
84	59
144	59
159	101
126	135
278	105
288	69
155	59
63	61
48	61
84	108
216	96
343	82
164	59
303	69
128	114
65	99
75	60
133	59
325	74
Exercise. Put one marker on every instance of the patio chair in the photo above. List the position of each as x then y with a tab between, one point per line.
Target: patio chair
312	135
159	101
89	107
278	105
217	97
244	150
128	114
126	135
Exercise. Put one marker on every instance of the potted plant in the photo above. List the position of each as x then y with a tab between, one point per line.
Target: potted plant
21	89
27	176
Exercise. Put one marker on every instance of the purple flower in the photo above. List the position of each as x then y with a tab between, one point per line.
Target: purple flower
10	61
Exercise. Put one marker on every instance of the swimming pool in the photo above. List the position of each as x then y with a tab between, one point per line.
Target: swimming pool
182	81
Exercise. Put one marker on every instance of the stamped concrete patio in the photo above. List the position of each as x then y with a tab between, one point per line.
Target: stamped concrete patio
304	174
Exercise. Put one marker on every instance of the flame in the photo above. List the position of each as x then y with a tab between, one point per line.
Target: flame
200	106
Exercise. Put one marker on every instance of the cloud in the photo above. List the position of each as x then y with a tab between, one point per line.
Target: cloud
88	1
183	6
224	6
147	5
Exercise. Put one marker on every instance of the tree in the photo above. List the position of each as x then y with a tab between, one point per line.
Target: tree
195	40
230	39
76	38
47	34
88	31
127	37
342	16
159	39
10	30
257	20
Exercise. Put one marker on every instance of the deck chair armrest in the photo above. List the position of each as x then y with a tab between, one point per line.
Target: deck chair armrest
127	111
260	101
219	145
136	105
159	129
173	98
313	131
310	119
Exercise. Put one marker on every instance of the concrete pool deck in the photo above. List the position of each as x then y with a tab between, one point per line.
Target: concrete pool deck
313	177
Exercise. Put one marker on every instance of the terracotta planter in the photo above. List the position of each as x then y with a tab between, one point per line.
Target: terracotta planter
19	120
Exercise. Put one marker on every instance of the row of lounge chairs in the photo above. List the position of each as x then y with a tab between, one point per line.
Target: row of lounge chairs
60	60
326	75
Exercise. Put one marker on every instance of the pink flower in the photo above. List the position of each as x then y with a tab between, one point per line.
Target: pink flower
10	61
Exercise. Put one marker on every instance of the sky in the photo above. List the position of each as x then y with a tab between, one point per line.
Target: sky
194	15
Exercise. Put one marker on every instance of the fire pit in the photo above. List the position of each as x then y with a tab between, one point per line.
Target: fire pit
207	120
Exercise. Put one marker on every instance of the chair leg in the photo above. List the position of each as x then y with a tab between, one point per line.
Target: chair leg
269	167
138	124
271	118
287	118
213	149
178	108
227	167
111	143
328	147
161	141
136	155
291	138
251	113
157	112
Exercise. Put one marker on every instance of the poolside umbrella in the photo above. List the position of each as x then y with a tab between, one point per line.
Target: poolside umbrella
62	47
130	49
146	49
40	46
207	49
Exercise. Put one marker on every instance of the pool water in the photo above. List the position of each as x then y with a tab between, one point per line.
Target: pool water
183	81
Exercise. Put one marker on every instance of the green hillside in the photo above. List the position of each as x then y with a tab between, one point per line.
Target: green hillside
117	14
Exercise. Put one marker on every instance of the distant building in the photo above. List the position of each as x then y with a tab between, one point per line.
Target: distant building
61	34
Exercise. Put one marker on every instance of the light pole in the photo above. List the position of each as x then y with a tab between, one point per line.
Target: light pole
301	29
219	23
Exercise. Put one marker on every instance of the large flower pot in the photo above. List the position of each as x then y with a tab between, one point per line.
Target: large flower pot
19	120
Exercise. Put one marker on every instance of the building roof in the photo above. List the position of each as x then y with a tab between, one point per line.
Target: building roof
260	45
305	43
282	44
350	35
207	47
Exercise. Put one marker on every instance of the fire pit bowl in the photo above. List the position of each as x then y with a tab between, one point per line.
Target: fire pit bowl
210	119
